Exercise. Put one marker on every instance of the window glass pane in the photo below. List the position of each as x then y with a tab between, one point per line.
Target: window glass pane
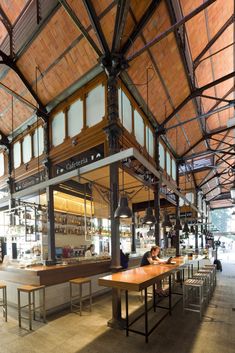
139	128
161	156
126	119
173	169
58	129
181	202
95	106
38	141
27	149
16	155
190	197
168	163
149	141
1	164
75	118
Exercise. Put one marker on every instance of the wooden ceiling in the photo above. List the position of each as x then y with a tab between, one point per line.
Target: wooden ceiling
183	49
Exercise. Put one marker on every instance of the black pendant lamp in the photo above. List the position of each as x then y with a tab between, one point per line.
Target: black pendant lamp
167	222
178	225
192	229
123	210
186	227
149	218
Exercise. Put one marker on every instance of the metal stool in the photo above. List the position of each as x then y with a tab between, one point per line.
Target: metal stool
30	289
193	295
3	301
209	272
213	269
205	277
80	282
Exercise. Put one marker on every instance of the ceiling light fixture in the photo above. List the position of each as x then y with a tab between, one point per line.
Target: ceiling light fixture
123	210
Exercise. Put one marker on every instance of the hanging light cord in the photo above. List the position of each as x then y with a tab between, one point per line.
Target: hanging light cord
122	138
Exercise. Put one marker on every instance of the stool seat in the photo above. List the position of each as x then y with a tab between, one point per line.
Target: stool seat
31	290
79	282
3	300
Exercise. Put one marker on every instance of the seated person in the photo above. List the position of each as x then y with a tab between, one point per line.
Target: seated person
151	258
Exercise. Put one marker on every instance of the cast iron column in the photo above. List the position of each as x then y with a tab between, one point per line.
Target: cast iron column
133	239
196	227
50	223
113	67
156	193
177	214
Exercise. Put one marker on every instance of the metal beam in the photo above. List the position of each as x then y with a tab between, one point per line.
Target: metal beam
215	132
80	26
7	23
213	40
140	26
120	21
197	92
96	26
217	175
41	110
216	98
172	29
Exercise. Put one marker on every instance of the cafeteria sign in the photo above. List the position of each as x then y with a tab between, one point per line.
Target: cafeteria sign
92	155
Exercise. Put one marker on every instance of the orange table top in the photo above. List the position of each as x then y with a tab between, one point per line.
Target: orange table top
141	277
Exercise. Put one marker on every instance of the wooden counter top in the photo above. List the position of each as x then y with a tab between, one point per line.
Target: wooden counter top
142	277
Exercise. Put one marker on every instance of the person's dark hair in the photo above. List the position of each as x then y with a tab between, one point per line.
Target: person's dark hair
91	246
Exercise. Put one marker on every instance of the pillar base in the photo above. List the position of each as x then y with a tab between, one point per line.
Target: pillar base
117	324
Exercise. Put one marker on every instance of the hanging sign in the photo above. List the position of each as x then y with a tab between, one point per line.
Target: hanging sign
92	155
30	181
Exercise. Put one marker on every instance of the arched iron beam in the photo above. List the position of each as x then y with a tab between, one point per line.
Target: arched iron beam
7	23
196	93
213	40
171	29
80	26
140	26
96	26
41	110
120	21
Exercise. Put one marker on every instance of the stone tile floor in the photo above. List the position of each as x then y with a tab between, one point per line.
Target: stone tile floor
180	333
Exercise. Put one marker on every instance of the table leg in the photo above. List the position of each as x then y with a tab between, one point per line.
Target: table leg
146	314
127	314
154	297
170	294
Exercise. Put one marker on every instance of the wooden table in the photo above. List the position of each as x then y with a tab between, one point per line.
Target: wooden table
140	279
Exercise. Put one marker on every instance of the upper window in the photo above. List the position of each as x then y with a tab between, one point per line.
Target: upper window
38	141
161	156
58	129
173	169
75	118
2	169
95	106
149	141
27	148
125	110
139	128
168	163
17	154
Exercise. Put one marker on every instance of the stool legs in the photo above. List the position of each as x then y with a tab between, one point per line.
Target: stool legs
4	302
79	297
80	293
90	296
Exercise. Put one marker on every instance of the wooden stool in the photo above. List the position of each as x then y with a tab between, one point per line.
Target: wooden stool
80	282
3	301
189	287
30	289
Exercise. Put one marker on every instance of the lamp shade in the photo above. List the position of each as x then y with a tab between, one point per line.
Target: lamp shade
149	217
186	228
123	210
178	225
232	192
192	229
167	221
